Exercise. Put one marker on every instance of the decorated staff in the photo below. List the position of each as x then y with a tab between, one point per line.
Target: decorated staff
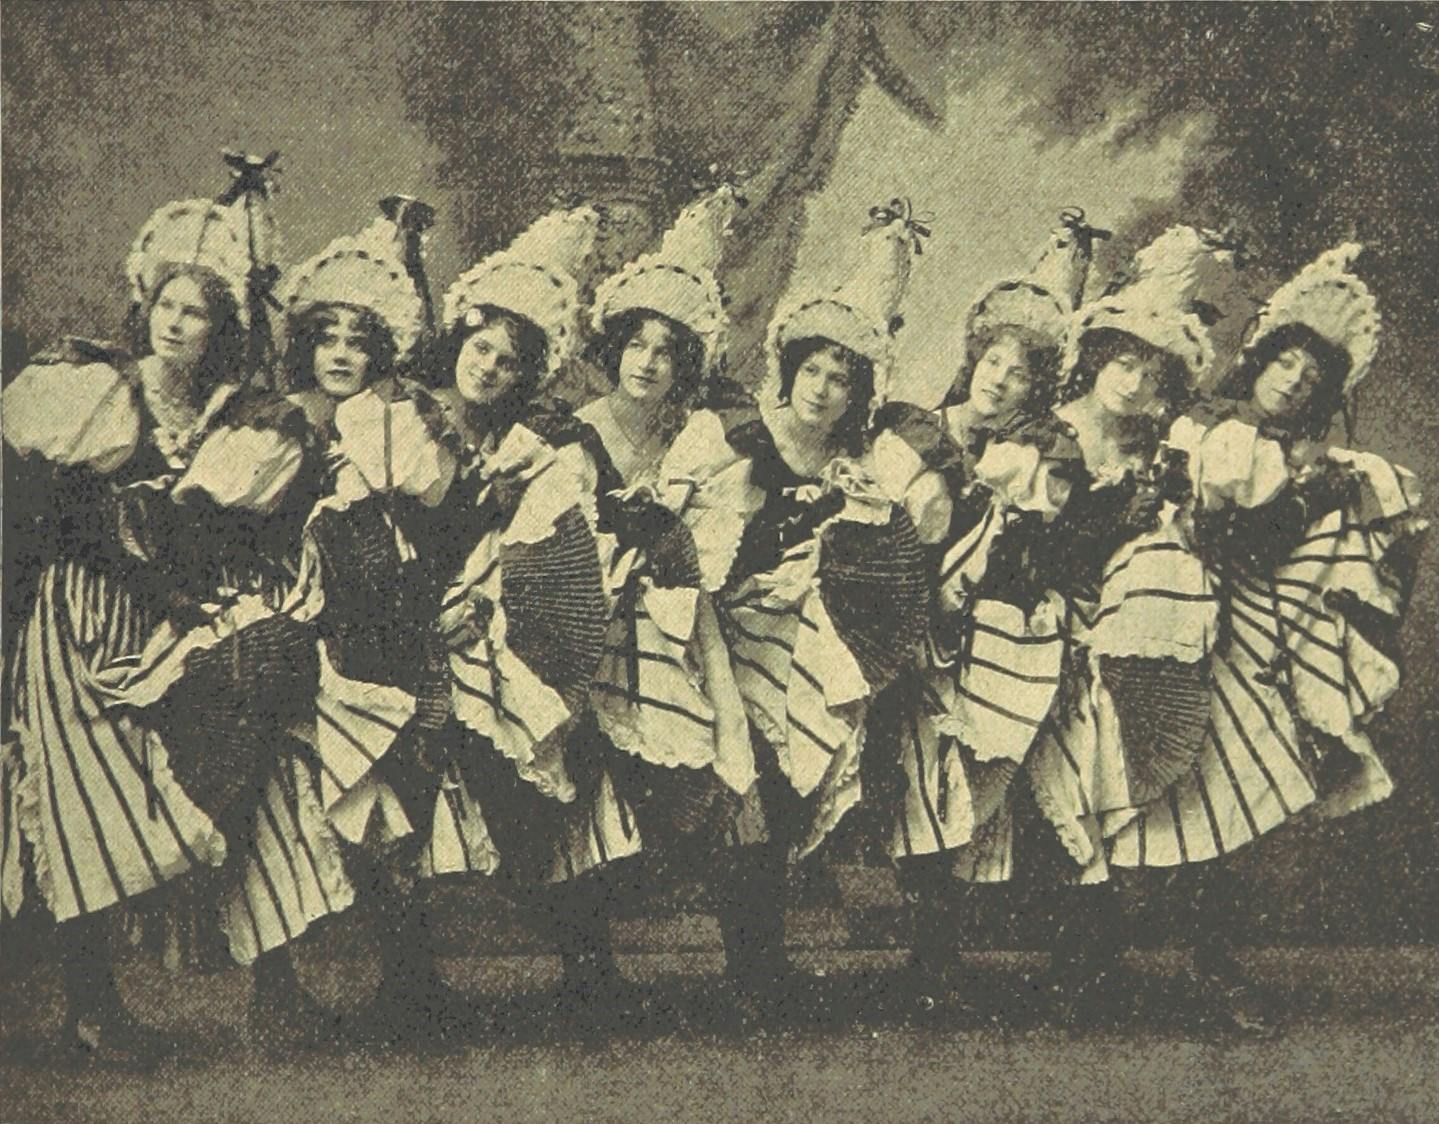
356	326
251	184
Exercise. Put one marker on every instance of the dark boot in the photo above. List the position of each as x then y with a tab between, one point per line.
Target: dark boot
1219	987
98	1026
1084	984
593	992
920	990
766	984
284	1016
413	1003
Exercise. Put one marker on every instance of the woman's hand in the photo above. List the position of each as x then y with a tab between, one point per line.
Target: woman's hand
476	615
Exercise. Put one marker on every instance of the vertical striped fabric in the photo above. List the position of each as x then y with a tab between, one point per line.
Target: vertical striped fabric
1340	679
97	802
460	840
989	856
1253	773
596	831
12	876
493	691
1249	778
936	812
1077	769
292	875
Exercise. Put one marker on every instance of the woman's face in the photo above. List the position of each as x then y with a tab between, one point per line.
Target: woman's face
1002	379
821	389
342	365
488	364
647	363
180	323
1128	385
1285	387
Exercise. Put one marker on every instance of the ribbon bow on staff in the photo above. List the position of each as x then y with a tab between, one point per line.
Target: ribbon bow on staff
1073	218
252	179
916	227
412	217
249	175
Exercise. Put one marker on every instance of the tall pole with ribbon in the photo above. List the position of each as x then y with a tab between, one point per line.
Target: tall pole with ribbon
251	180
412	218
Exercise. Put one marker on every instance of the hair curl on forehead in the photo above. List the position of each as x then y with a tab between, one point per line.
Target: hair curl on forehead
1101	346
1333	361
224	357
1041	357
307	329
849	430
687	349
531	346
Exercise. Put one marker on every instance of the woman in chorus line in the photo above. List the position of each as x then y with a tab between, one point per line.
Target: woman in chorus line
1140	609
829	544
666	695
523	614
356	326
962	724
168	479
1312	546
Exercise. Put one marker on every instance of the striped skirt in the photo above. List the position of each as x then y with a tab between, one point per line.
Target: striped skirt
1293	661
293	874
995	698
1250	777
284	867
104	817
806	695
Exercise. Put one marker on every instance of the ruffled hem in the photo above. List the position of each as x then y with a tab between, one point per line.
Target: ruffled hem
840	791
629	737
552	781
623	721
1153	648
1372	785
1072	836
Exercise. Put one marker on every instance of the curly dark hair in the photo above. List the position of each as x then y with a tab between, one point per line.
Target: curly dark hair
689	360
1327	400
1100	346
1041	357
850	429
224	357
532	348
308	327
